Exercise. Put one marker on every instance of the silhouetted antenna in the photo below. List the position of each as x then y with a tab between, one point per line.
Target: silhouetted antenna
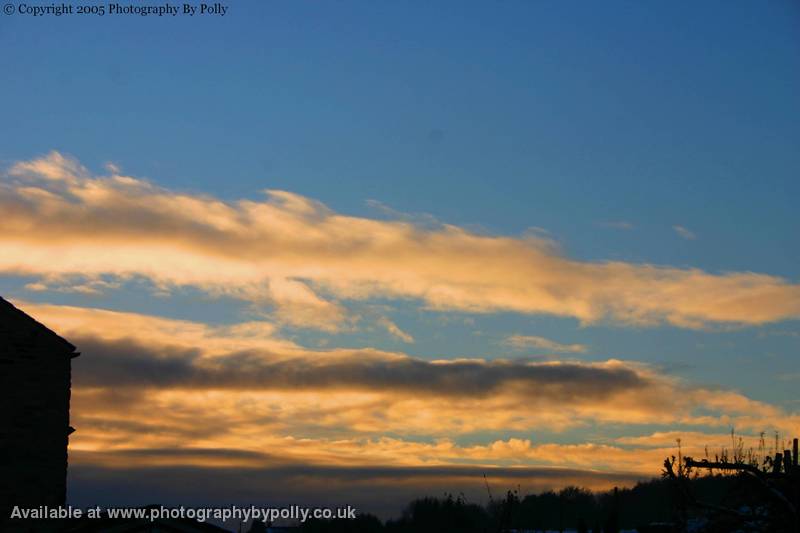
488	489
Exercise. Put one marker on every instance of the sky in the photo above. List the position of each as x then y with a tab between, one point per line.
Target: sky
357	252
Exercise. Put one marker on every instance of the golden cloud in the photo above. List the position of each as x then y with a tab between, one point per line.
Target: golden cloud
66	226
154	383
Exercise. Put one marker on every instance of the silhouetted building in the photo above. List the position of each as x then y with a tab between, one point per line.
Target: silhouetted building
34	412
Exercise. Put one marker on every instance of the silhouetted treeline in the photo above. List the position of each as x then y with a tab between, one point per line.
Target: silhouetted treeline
570	508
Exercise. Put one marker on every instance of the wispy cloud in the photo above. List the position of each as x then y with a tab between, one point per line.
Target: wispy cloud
297	305
530	341
684	232
85	287
422	220
617	224
393	329
297	255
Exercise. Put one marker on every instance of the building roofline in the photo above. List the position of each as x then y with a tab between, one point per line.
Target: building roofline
7	307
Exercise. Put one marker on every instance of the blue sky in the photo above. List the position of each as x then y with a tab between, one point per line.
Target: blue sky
604	127
562	115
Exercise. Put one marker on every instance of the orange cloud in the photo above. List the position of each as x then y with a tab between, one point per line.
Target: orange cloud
67	226
149	382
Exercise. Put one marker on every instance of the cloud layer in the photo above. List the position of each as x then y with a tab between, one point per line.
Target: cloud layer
71	228
160	394
152	383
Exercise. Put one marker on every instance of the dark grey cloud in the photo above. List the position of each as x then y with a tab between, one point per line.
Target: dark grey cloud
128	363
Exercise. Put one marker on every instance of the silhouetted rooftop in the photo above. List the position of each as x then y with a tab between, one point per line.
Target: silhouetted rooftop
16	320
